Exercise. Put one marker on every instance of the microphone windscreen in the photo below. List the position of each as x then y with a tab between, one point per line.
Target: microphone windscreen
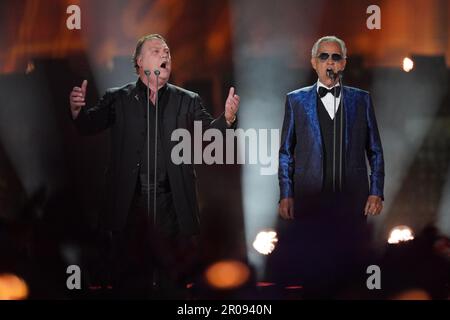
330	73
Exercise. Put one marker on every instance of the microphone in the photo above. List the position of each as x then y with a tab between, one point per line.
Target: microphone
331	74
156	72
147	72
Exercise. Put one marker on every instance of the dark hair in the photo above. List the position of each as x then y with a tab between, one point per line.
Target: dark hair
139	45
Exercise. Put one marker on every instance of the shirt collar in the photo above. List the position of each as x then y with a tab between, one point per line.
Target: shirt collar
320	84
142	88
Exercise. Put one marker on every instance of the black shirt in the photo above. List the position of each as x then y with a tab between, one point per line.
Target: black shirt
146	181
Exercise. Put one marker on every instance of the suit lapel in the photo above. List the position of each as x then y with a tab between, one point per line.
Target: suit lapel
350	115
136	98
310	104
170	111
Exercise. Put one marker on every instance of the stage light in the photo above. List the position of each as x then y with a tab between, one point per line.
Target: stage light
30	67
400	234
408	64
412	294
266	67
265	241
12	287
227	274
265	284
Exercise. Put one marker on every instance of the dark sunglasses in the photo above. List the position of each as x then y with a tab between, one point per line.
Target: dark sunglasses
324	56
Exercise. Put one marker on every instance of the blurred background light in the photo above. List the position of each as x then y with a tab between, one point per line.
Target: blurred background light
12	287
400	234
227	274
265	241
408	64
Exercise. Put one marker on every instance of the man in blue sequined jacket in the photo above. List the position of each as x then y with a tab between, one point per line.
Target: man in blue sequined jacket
327	134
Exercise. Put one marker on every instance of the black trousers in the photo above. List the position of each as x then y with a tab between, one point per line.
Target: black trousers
143	255
324	248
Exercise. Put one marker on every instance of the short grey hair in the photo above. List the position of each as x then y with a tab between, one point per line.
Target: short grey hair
340	42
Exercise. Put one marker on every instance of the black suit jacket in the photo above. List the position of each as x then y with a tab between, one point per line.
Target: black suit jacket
119	109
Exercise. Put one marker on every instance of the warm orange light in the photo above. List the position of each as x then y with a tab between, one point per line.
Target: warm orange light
412	294
12	287
227	274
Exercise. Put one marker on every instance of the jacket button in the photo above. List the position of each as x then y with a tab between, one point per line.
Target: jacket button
138	164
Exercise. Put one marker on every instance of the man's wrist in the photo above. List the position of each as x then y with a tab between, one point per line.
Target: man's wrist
75	114
230	121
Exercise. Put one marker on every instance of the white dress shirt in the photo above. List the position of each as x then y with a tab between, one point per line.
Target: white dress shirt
327	100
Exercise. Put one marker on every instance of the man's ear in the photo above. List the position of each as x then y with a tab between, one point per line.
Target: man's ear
139	61
344	64
313	63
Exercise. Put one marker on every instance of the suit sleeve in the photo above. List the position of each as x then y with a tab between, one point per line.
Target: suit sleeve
97	118
200	114
374	152
286	153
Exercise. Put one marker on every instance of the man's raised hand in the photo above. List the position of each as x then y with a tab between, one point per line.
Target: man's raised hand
77	99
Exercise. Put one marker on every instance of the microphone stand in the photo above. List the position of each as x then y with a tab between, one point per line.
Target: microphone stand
157	73
341	129
332	75
155	180
334	138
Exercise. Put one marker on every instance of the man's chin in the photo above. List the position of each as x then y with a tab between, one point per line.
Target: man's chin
162	81
164	77
164	73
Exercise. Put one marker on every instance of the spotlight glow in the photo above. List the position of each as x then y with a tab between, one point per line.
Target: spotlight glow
400	234
265	241
408	64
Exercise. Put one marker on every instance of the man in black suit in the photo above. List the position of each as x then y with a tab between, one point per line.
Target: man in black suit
127	218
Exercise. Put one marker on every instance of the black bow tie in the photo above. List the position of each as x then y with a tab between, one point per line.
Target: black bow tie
323	91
